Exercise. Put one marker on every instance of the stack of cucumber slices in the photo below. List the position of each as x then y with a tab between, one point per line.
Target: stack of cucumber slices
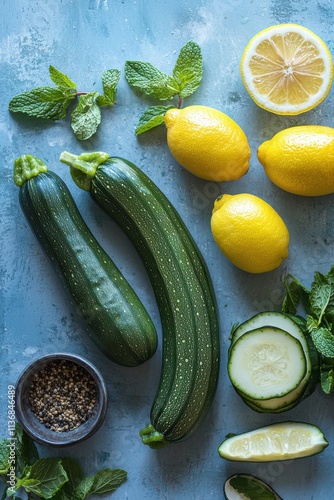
272	363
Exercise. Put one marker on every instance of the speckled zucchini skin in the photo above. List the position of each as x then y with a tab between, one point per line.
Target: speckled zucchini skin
117	320
184	294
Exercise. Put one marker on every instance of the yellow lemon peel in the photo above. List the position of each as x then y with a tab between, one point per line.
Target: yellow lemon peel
300	160
249	232
207	143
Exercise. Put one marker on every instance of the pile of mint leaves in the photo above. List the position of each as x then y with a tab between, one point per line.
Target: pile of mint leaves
56	478
52	102
316	306
185	79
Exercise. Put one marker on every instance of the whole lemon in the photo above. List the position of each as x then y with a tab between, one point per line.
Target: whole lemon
300	159
249	232
207	142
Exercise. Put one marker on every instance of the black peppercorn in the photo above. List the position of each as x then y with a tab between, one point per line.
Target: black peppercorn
62	395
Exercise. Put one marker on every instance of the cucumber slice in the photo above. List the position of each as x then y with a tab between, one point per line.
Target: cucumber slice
311	378
280	441
261	407
248	487
303	391
275	320
266	363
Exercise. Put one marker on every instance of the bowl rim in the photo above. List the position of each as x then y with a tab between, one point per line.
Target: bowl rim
36	429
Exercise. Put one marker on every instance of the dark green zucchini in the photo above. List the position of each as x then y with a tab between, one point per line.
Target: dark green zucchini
181	283
117	320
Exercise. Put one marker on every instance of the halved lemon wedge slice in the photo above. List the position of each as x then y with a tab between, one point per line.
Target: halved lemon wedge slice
281	441
287	69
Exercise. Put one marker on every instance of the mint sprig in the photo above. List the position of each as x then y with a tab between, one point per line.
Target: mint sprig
51	103
185	79
56	478
44	478
318	306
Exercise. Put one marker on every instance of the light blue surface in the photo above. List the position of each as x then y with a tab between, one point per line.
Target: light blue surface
83	39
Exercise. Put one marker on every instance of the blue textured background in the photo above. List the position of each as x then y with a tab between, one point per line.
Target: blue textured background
83	39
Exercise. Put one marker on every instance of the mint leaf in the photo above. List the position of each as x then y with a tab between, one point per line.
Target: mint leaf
44	478
327	379
4	456
86	117
296	293
188	70
110	79
83	489
61	80
30	485
26	451
74	474
321	291
330	305
152	117
323	340
42	102
107	481
151	80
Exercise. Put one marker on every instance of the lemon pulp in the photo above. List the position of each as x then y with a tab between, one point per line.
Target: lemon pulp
287	69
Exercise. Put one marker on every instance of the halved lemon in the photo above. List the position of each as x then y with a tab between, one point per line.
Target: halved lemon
287	69
280	441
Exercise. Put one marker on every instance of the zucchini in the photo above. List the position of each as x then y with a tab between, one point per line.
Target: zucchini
274	442
311	377
182	287
117	320
266	363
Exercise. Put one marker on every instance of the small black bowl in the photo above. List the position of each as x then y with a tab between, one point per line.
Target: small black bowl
36	429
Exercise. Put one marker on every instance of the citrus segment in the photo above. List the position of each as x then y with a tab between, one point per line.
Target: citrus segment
287	69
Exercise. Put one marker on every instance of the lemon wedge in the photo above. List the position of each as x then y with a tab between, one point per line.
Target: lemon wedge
280	441
287	69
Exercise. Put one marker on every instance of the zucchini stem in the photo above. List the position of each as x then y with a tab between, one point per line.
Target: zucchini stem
26	167
153	438
83	167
